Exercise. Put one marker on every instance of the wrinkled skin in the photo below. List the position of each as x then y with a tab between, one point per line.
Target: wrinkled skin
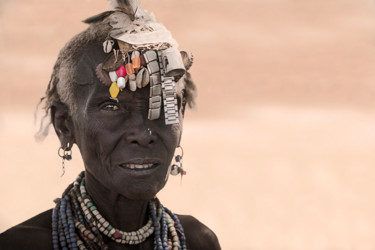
110	135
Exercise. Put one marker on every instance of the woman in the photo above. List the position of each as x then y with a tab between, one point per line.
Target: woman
118	91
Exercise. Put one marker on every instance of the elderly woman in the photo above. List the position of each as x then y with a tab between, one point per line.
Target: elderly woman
118	91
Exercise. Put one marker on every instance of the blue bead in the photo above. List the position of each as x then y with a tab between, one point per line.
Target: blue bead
178	158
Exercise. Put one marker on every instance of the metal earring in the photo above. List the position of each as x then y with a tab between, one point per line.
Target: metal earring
177	167
65	154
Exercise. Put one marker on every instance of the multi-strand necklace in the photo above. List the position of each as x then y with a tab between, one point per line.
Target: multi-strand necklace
77	224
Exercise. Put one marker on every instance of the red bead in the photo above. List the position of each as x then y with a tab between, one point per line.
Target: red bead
121	72
183	172
117	235
143	61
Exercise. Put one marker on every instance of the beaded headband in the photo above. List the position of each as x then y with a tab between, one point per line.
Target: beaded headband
142	52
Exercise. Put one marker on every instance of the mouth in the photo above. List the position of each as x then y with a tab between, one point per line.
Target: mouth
140	165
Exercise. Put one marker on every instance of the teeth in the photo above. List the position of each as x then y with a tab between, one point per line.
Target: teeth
138	166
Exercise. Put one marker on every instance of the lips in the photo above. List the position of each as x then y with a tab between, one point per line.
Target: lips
137	166
140	164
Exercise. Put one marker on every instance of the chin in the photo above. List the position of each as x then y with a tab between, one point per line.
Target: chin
143	191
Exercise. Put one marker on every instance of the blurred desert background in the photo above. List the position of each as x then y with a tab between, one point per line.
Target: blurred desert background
280	149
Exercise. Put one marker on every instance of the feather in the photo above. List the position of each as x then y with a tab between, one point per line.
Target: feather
97	18
129	7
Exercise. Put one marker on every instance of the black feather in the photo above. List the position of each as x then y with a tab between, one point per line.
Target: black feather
98	17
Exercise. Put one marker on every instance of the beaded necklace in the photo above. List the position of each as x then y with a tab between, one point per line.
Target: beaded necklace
77	224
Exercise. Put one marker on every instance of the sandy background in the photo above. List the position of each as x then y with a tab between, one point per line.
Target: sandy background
279	152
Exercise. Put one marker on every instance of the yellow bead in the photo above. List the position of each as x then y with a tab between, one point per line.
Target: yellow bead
114	90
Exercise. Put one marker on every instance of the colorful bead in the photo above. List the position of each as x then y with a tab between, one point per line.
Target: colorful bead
143	61
129	68
77	224
113	75
136	62
117	235
121	82
132	83
178	158
121	72
114	90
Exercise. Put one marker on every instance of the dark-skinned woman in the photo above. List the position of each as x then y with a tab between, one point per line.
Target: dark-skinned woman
118	91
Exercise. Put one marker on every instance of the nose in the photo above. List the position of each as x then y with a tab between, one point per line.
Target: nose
139	133
142	138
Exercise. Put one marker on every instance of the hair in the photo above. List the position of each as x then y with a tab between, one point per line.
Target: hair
60	86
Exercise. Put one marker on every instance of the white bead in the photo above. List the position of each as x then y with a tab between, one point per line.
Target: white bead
113	76
135	54
174	170
121	82
132	85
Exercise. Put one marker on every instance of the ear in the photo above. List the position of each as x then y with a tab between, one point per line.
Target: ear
63	124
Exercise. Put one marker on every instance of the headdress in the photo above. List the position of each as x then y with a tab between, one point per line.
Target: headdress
141	52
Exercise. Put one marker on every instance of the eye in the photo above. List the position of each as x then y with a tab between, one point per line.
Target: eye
110	107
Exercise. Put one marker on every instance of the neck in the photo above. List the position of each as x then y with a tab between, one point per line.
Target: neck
121	212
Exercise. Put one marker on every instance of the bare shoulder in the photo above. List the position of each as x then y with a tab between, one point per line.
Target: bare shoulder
198	235
34	233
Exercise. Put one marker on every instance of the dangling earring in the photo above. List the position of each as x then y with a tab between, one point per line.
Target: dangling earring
65	154
177	167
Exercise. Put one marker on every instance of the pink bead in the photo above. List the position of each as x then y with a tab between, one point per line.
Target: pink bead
117	235
121	72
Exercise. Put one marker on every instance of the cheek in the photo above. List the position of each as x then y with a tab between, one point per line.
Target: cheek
170	135
97	137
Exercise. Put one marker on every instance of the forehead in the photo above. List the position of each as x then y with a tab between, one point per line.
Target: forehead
88	87
85	64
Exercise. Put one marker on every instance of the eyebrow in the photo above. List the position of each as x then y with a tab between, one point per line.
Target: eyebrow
103	96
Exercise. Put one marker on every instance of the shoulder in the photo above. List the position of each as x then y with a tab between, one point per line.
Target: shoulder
198	235
34	233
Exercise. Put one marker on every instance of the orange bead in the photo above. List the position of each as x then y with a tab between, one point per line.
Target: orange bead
136	62
129	69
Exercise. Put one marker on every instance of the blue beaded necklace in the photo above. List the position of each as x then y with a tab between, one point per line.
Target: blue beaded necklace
78	226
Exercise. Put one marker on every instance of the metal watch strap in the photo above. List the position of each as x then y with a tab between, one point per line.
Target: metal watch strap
169	96
155	87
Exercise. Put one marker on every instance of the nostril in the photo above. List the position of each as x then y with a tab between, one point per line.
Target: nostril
141	141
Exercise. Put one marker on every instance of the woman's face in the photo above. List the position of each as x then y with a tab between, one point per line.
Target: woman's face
121	148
